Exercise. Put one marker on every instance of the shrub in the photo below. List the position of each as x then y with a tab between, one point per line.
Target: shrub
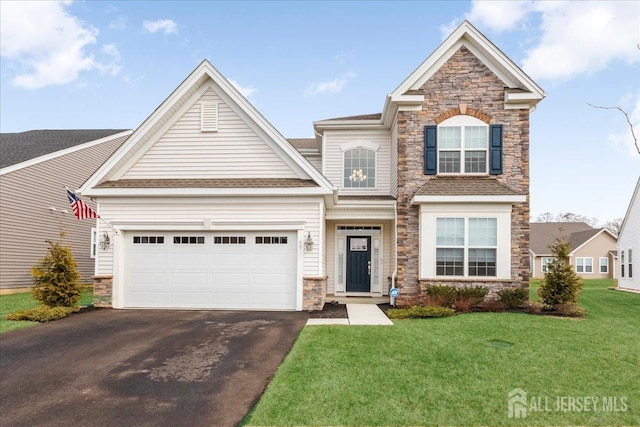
55	277
561	285
42	313
570	310
420	312
439	296
533	307
513	297
468	297
493	305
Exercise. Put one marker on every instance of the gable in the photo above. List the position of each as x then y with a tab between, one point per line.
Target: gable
599	244
630	228
232	150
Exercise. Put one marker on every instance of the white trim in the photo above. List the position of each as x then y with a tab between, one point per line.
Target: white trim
209	116
321	236
357	145
93	248
600	265
265	191
542	264
511	198
55	154
636	193
340	289
462	122
584	265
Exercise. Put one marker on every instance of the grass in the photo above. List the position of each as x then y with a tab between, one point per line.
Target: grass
459	370
16	302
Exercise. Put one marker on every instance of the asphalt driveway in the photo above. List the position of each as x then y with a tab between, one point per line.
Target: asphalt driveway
142	367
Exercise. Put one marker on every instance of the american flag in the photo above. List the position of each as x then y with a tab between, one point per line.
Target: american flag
80	209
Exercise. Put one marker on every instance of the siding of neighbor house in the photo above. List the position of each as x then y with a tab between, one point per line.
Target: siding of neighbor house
26	221
387	251
240	211
334	159
184	151
600	246
630	239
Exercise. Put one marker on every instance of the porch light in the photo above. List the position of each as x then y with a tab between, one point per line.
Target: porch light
357	176
308	243
105	241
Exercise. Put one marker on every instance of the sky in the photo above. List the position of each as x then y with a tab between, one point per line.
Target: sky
109	64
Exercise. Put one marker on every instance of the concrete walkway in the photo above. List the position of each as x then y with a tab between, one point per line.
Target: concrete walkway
359	314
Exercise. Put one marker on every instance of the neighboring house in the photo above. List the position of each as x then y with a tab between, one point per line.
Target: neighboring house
213	208
34	168
593	251
629	244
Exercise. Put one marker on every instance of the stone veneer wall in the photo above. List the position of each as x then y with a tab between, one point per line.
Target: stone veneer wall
103	291
463	83
314	293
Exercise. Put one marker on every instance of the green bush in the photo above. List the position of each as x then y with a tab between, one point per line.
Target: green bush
55	277
419	312
561	285
468	297
570	310
513	297
439	296
43	313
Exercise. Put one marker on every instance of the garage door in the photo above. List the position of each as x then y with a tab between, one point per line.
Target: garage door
231	270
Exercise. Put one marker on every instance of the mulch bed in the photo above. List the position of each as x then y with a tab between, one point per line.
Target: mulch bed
331	310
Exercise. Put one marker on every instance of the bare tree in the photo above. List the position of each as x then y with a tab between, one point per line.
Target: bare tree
626	116
614	226
546	217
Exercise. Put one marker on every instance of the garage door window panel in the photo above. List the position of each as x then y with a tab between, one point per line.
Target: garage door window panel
148	240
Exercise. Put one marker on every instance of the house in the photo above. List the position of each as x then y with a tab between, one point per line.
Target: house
593	251
34	168
212	207
629	244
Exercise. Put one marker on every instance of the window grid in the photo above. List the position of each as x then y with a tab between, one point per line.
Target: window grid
466	247
229	240
359	168
271	240
545	263
456	143
584	265
148	240
188	240
604	265
630	262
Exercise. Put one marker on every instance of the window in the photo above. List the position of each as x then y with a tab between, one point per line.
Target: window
462	145
630	262
271	240
94	242
604	265
622	263
229	240
545	262
466	247
360	168
188	240
148	240
584	265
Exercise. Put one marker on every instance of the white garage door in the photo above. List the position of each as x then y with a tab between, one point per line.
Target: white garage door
230	270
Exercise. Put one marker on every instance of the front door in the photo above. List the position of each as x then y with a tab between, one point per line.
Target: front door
358	264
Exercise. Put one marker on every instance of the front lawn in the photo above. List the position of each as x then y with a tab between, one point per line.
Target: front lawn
459	370
16	302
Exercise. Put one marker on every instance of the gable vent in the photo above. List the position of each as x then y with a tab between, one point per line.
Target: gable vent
208	117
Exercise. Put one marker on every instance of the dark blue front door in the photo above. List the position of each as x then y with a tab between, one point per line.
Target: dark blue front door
358	264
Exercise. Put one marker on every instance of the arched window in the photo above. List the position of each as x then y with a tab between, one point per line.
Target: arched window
359	167
463	143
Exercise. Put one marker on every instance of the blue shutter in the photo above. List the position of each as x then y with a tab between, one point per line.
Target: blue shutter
430	150
495	149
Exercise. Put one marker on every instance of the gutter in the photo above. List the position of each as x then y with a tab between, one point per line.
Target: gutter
392	300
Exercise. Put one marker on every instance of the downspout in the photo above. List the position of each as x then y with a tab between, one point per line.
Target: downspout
392	300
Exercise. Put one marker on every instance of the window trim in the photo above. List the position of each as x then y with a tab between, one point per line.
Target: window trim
584	265
542	263
606	265
94	242
367	145
463	121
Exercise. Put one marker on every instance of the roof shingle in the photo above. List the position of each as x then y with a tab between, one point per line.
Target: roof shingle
465	186
543	234
22	146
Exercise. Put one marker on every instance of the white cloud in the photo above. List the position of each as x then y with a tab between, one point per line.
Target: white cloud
46	42
572	37
167	26
623	141
246	91
582	38
332	86
120	23
112	67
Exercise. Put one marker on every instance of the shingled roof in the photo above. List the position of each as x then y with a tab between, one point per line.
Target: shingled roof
209	183
543	234
22	146
465	186
374	116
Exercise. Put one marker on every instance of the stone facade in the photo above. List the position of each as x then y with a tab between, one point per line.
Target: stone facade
463	85
103	291
314	293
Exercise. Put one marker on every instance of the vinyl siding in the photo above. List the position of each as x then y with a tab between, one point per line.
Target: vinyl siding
26	221
630	239
334	159
596	248
242	210
387	252
394	158
234	151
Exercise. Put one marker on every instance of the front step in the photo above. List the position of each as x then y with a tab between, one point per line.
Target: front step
357	300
